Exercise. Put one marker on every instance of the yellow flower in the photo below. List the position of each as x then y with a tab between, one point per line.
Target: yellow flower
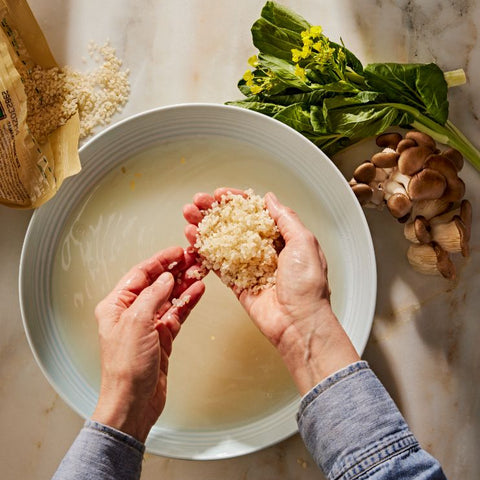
307	41
315	31
300	72
256	89
253	61
248	76
296	54
306	51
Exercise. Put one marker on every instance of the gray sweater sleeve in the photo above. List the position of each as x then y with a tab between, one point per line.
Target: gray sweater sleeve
102	453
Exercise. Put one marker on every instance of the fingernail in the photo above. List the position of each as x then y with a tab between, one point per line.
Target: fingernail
165	277
273	196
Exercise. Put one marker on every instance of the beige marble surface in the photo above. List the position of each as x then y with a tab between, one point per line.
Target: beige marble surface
425	334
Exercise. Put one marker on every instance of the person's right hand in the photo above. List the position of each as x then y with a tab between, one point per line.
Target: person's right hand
295	314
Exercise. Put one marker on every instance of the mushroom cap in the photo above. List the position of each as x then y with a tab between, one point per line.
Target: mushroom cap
422	139
363	192
455	186
418	231
422	230
406	143
441	164
412	159
444	263
427	184
399	205
455	157
388	140
466	216
385	159
365	172
455	190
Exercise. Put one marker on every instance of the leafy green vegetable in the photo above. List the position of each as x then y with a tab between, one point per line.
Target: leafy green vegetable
322	90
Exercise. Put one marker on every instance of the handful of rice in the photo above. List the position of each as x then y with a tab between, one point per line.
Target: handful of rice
239	239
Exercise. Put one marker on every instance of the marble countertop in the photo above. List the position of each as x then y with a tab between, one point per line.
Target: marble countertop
424	341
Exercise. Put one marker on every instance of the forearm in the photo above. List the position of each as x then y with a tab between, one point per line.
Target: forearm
353	429
101	453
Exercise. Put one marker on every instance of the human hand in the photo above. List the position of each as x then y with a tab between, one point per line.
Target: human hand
295	315
137	325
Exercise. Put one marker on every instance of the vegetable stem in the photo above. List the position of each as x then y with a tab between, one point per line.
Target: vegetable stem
455	78
451	136
447	135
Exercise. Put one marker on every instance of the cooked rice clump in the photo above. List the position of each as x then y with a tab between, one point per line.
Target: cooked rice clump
237	238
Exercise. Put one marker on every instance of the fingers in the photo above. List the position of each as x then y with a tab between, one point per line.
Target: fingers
145	273
176	315
193	212
153	297
220	192
190	232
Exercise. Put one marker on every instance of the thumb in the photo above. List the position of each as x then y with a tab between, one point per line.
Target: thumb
286	219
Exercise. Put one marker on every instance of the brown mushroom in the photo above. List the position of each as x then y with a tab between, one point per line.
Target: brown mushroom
412	159
464	211
418	231
365	173
363	192
406	143
427	184
430	259
386	159
455	157
399	205
430	208
389	140
422	139
452	236
455	189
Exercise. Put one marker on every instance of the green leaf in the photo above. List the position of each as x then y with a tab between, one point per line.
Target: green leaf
283	17
422	86
278	31
254	104
361	98
284	72
362	121
296	116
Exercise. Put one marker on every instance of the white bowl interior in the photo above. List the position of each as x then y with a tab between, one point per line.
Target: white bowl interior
355	268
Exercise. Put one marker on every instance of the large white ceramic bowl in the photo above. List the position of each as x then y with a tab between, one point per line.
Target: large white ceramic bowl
354	268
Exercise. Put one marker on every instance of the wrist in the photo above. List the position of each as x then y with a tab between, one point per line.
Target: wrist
123	416
315	348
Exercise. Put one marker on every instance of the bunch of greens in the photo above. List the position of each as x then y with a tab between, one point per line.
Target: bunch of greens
323	91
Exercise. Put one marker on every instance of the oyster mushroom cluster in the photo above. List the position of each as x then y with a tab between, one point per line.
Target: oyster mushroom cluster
420	186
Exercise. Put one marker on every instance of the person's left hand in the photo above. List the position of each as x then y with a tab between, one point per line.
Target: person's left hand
137	324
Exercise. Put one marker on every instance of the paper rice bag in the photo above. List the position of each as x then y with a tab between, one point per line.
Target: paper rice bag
30	172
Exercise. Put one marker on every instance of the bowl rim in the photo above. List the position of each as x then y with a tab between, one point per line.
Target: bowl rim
133	118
